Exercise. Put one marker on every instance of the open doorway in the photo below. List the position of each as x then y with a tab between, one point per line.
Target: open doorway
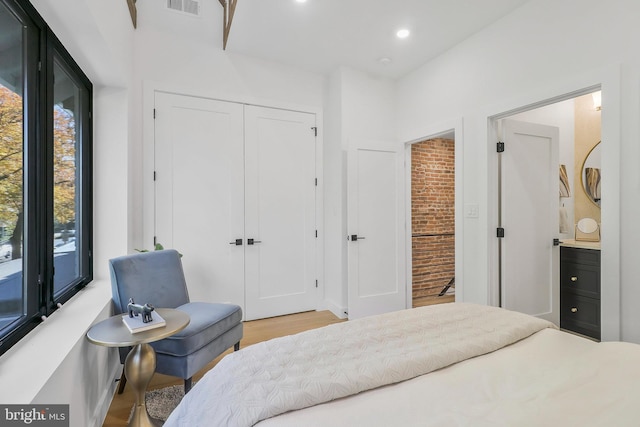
533	219
433	220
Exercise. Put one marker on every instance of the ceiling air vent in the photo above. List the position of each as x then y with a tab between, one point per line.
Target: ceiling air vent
190	7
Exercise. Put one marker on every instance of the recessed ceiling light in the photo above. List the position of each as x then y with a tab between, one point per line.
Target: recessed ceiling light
384	60
403	33
301	1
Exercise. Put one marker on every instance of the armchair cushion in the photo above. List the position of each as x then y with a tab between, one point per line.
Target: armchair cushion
151	277
208	322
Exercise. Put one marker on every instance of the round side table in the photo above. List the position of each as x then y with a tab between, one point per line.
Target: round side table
141	360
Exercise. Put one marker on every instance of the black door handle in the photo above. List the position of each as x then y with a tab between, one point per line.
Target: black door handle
252	241
355	237
238	242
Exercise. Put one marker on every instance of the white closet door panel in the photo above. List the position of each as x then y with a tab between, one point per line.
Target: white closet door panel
376	267
199	192
280	212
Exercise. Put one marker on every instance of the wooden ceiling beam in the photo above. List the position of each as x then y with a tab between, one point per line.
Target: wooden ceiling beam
229	10
134	12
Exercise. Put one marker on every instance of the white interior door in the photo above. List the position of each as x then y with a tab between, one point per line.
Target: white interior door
530	218
376	259
199	192
280	212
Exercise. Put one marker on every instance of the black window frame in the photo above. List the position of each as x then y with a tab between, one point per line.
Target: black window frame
40	47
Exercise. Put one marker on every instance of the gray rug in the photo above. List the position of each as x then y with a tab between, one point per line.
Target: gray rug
162	401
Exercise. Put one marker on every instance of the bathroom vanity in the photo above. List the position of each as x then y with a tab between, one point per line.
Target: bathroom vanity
580	287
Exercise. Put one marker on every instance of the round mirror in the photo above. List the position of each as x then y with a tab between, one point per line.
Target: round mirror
591	174
587	225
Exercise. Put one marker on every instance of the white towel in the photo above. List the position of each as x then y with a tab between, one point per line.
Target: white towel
564	221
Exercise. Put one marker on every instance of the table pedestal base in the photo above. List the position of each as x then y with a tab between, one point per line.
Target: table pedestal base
139	368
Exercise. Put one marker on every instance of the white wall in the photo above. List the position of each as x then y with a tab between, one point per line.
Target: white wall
167	53
97	35
360	107
545	49
368	107
334	215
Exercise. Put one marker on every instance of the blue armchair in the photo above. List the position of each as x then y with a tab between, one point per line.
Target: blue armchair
158	278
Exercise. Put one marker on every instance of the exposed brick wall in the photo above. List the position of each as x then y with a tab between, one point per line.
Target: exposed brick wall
432	215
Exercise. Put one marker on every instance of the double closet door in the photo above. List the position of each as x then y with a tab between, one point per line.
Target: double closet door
235	193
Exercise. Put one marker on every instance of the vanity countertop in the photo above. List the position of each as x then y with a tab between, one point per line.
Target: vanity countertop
580	244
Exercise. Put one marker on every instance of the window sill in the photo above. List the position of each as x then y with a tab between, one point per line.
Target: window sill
34	360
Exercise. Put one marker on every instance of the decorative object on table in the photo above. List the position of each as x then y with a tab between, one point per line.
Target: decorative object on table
158	276
137	309
587	230
135	325
565	189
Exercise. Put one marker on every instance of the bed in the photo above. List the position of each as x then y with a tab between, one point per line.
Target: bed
448	365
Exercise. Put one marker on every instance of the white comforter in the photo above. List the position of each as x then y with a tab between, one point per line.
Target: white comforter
551	379
307	369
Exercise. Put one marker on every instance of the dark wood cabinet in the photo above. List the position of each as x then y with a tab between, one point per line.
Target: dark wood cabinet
580	291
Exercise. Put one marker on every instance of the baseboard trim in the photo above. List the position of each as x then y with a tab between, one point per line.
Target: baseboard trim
102	409
338	311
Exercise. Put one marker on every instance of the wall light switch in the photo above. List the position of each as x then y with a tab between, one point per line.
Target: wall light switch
471	210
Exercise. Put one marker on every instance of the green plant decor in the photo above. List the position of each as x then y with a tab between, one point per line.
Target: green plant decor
158	247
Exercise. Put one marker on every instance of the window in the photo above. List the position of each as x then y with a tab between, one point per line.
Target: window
45	173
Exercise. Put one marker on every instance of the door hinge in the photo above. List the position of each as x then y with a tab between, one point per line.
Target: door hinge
316	182
154	113
154	175
500	147
155	241
315	131
39	65
316	234
556	242
500	232
316	283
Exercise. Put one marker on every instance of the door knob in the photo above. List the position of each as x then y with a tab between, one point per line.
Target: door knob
355	237
252	241
237	242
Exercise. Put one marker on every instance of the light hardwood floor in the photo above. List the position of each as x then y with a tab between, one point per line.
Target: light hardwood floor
254	332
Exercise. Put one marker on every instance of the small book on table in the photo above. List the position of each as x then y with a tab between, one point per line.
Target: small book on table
135	324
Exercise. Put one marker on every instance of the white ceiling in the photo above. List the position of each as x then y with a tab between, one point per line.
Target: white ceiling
321	35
